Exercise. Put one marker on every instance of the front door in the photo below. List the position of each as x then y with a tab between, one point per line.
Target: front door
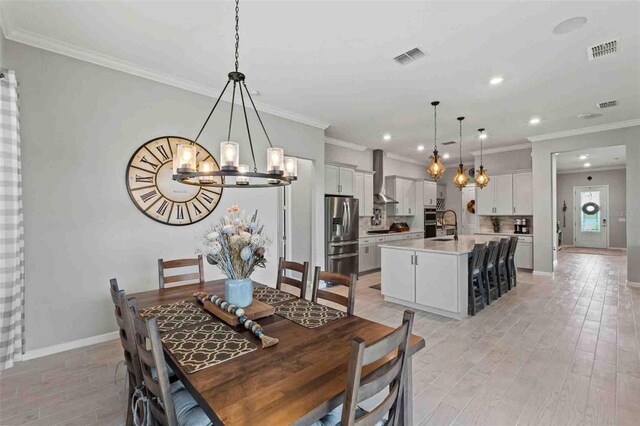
590	206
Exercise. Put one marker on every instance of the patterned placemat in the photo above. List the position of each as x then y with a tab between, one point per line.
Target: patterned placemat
206	345
308	314
175	315
270	295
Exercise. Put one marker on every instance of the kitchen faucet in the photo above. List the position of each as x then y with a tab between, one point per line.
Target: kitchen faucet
455	223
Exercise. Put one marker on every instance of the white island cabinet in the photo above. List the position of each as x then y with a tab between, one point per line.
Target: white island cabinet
430	274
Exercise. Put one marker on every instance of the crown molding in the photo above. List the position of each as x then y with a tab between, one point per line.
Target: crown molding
590	169
502	149
393	156
586	130
70	50
344	144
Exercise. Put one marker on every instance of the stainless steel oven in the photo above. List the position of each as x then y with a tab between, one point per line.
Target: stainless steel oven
430	222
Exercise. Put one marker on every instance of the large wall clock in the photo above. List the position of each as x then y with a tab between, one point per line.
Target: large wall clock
152	189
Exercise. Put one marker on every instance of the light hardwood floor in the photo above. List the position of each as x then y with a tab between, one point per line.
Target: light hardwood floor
553	351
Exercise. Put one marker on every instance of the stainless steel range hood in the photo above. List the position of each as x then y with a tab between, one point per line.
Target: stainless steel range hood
378	179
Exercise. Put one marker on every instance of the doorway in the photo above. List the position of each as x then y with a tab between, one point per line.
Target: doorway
590	216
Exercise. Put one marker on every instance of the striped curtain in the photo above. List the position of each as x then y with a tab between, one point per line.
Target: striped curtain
11	226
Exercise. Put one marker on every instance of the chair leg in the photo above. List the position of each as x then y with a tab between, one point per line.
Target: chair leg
130	391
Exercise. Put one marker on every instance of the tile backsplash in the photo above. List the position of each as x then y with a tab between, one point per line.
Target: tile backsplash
385	222
507	223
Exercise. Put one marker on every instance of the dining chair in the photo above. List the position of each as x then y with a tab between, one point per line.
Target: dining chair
181	279
503	275
125	325
491	273
335	278
476	279
302	268
391	375
168	403
511	262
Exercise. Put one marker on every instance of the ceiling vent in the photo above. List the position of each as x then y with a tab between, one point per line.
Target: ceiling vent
409	56
607	104
603	49
449	143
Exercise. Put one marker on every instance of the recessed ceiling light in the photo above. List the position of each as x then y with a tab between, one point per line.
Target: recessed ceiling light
445	155
569	25
587	164
483	136
583	156
420	147
386	137
534	121
496	80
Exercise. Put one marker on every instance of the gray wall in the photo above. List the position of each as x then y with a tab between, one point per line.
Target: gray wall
616	180
508	161
80	125
542	192
364	161
2	43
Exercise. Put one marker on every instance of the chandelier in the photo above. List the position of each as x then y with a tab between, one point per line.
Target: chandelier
281	170
435	169
482	179
460	179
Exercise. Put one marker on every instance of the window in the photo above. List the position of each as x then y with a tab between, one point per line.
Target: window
590	211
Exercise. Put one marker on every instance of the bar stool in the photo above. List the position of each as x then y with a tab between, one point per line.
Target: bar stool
491	272
511	263
503	275
476	279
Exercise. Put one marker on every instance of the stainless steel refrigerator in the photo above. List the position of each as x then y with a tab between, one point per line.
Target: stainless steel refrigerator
341	230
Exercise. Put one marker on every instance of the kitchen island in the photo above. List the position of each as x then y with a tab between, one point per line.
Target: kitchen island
430	274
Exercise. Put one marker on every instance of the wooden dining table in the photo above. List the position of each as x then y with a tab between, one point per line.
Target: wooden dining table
297	381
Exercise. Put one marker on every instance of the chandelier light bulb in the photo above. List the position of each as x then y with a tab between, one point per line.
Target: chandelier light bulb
274	160
205	167
187	157
291	166
242	180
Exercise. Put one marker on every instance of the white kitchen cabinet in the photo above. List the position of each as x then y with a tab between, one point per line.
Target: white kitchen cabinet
442	191
346	181
524	253
485	200
523	194
338	180
403	191
503	187
430	193
363	191
398	274
434	273
367	257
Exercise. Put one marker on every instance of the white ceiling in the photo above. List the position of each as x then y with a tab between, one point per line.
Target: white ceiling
332	60
598	158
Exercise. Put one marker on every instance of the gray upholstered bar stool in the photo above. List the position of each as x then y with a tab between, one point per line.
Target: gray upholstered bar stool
511	263
503	275
491	272
476	279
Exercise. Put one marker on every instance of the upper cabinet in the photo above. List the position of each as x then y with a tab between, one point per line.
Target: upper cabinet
430	191
506	195
523	194
338	180
363	191
403	191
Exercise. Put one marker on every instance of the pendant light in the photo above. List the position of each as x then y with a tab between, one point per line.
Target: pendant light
461	178
280	171
481	175
435	169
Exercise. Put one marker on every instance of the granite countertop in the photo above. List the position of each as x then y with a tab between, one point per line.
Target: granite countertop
464	245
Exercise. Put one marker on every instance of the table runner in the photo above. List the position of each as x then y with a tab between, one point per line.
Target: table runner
173	316
308	314
270	295
206	345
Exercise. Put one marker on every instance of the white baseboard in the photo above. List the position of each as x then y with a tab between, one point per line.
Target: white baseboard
633	284
54	349
544	273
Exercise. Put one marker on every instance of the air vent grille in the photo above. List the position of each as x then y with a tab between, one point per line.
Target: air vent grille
409	56
449	143
607	104
603	49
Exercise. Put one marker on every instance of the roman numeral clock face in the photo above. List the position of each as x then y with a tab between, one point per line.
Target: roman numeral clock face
153	190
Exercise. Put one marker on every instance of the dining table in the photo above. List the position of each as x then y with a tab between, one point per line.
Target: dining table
296	381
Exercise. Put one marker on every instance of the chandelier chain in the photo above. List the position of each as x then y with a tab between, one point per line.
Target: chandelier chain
237	32
435	127
460	147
